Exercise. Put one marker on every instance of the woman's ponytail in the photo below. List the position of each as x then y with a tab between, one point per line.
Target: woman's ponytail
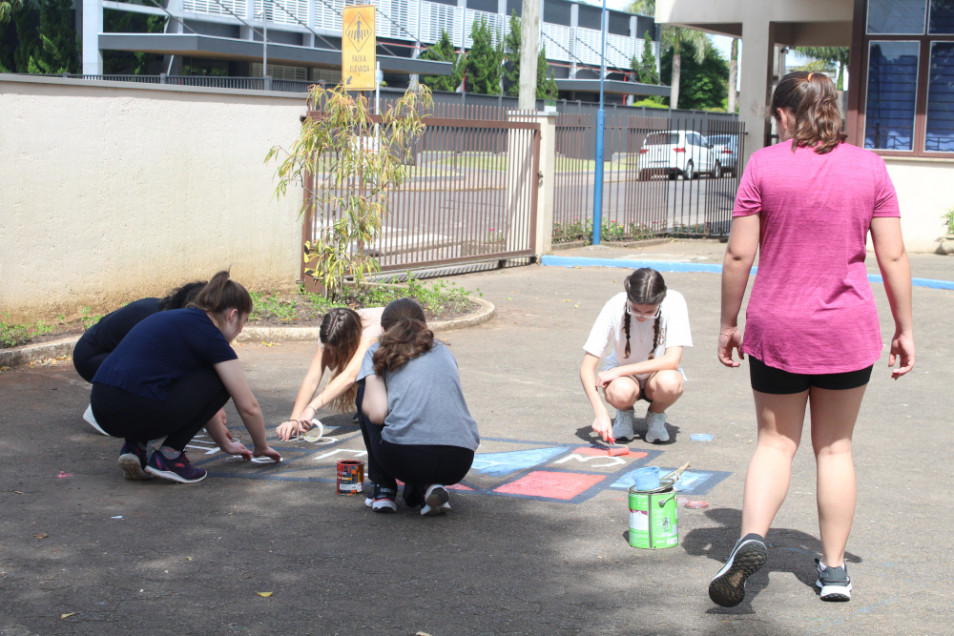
813	100
405	336
222	293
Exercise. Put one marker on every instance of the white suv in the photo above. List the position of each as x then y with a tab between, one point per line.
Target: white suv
677	152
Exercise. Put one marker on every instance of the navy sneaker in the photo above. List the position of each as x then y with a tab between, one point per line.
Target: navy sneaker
436	501
382	499
833	583
132	459
178	469
727	587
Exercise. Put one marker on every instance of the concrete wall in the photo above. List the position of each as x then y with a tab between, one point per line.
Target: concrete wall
923	199
111	191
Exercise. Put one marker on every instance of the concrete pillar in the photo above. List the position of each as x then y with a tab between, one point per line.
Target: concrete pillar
756	67
529	50
520	182
92	27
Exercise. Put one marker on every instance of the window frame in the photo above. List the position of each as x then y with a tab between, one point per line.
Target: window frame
857	102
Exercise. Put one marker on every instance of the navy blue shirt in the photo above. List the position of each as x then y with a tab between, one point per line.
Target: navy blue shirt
106	334
161	349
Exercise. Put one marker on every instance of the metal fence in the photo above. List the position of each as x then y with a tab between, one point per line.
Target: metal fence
470	197
639	202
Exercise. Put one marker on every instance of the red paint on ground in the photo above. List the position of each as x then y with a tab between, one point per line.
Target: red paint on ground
541	483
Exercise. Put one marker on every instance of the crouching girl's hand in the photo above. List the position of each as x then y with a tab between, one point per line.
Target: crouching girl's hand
291	428
267	451
233	447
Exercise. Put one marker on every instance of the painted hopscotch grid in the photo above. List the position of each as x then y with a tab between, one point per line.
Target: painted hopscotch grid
537	470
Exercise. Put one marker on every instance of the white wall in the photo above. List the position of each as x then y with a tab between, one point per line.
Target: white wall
924	197
111	191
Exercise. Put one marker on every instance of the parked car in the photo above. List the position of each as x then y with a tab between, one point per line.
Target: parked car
677	152
726	148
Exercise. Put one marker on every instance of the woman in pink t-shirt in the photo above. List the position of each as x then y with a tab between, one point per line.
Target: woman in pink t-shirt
811	329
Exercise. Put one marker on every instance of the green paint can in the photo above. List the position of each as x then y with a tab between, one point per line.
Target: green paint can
653	518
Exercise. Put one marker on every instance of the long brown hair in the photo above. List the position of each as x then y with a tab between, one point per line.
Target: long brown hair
222	293
340	333
813	100
645	286
405	336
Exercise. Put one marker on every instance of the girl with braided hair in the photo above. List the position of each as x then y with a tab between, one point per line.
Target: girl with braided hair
344	337
415	422
646	327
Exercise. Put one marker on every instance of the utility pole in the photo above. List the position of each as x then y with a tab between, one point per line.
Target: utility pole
529	49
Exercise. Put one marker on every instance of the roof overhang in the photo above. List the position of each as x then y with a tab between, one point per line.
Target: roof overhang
196	45
614	87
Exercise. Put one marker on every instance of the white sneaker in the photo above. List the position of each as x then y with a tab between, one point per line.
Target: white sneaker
436	501
91	420
656	427
623	425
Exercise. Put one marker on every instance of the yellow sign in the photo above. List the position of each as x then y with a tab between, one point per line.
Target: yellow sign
358	48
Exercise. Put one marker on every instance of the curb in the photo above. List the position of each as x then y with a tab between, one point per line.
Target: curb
31	353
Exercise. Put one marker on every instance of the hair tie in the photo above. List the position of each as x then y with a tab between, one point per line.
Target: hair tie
809	78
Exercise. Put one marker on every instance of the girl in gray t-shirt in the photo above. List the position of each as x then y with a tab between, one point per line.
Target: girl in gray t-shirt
415	421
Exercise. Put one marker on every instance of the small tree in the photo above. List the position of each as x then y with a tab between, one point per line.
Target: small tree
483	61
348	173
645	66
546	84
443	51
511	69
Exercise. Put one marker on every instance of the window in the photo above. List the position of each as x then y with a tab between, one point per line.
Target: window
908	65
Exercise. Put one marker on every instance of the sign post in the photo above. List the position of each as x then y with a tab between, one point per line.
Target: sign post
358	44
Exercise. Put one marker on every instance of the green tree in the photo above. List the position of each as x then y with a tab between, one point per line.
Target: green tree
546	82
834	57
645	66
483	62
443	51
40	38
349	165
675	39
7	8
129	62
703	85
511	69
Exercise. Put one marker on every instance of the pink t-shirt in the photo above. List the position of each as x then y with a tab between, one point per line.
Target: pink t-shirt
811	309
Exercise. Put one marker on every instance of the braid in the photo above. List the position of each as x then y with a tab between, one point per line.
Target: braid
652	352
626	330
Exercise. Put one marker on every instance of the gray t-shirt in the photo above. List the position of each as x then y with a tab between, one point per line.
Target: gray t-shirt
425	401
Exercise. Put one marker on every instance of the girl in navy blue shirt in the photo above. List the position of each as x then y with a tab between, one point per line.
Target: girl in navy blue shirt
167	378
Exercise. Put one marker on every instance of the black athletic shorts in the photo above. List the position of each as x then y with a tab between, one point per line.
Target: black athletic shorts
766	379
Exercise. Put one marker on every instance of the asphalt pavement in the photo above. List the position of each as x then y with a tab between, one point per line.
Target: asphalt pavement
536	542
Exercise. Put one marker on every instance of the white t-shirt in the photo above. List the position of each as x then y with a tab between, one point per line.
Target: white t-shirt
608	331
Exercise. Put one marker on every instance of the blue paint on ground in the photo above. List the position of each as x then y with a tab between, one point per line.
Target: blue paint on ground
500	464
676	266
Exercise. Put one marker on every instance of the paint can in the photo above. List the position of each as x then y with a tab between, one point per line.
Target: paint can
350	477
653	518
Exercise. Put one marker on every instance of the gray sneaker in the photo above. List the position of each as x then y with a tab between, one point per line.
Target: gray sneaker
656	427
833	583
623	425
727	587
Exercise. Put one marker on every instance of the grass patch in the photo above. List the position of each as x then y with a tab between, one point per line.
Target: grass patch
440	299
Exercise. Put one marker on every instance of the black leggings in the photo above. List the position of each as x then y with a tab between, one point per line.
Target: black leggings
417	465
192	401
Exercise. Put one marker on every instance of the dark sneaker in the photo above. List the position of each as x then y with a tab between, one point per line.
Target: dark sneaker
436	501
178	469
833	583
132	459
727	587
382	499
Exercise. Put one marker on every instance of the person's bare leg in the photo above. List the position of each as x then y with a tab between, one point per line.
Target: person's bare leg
833	416
663	389
780	419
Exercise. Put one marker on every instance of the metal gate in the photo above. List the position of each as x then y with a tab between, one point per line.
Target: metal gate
640	200
470	196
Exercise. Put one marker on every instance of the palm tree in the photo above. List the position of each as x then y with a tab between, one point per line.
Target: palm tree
674	38
835	56
733	75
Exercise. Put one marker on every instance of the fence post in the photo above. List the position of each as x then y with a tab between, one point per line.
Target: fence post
545	190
